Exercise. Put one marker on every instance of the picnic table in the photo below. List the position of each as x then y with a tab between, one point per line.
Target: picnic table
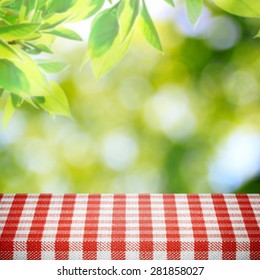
130	226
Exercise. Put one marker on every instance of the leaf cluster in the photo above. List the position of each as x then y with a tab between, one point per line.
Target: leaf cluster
28	28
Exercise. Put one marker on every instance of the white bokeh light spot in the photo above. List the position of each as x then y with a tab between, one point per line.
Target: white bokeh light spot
237	161
170	111
119	150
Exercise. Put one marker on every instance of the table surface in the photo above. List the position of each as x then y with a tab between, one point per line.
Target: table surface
131	226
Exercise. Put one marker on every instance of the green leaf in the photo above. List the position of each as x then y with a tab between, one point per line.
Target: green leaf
12	103
39	85
46	40
55	104
13	79
148	29
128	12
104	30
34	36
53	20
194	9
18	31
30	49
40	3
6	52
17	101
89	9
257	35
34	49
6	2
42	48
8	112
26	7
53	67
65	33
170	2
8	16
1	92
61	6
84	60
244	8
36	16
81	10
105	47
16	6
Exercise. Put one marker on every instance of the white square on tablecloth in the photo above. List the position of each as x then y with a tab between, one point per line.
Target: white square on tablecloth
242	255
215	255
187	255
160	255
104	255
132	255
75	255
20	255
48	255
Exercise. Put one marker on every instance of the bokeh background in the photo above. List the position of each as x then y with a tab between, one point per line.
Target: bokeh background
187	121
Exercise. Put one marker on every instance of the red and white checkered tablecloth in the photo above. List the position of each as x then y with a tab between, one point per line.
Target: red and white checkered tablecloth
132	226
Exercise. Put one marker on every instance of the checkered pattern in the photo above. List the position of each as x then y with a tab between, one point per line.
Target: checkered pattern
134	226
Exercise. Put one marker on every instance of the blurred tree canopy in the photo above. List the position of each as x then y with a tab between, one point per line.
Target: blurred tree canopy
183	122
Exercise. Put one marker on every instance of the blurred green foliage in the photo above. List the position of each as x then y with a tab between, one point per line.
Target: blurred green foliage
153	124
